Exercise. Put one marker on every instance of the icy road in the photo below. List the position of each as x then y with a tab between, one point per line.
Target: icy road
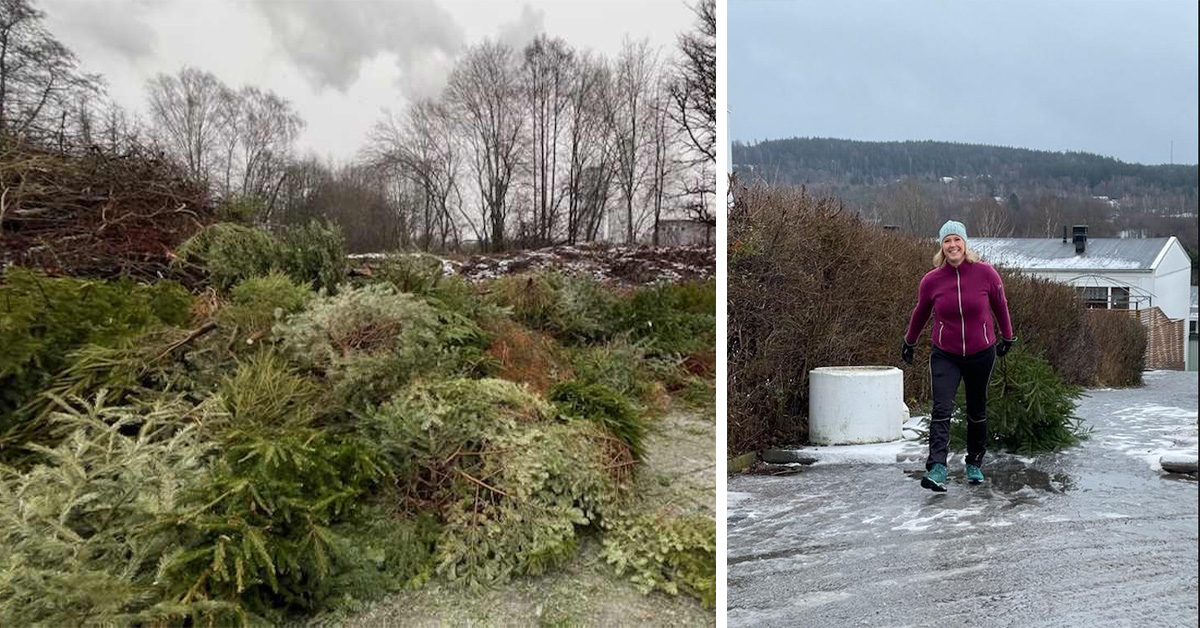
1095	536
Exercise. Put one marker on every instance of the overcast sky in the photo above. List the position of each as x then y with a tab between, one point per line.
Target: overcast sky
1113	77
340	63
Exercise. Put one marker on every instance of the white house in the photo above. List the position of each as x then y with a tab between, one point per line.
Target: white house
1113	273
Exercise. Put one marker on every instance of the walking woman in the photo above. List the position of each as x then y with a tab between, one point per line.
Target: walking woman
966	298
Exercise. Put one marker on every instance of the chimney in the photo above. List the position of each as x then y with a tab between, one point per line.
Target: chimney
1065	234
1079	237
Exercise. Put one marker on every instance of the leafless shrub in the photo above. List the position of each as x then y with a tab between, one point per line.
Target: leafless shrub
1049	317
813	285
809	285
1123	352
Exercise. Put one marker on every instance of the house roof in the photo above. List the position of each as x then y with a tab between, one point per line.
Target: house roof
1107	254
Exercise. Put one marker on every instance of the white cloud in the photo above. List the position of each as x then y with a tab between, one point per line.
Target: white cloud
339	63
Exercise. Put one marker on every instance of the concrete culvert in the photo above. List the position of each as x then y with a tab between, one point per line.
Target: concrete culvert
855	404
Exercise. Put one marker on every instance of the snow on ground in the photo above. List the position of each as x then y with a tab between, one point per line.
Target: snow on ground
907	449
624	265
1149	431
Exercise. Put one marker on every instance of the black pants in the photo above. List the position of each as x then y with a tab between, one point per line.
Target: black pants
946	370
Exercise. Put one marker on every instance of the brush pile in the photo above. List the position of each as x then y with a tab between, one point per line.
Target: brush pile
86	213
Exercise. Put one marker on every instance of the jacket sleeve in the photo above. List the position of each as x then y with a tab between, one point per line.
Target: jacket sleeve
999	304
920	314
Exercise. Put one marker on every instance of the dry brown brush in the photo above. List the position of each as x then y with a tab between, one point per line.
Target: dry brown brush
812	285
1123	351
1048	317
87	213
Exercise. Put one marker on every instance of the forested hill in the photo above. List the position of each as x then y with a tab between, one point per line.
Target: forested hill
850	162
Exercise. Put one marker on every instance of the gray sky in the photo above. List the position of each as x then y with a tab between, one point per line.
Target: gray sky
1113	77
340	63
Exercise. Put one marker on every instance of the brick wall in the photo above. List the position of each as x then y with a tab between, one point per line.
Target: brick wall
1164	340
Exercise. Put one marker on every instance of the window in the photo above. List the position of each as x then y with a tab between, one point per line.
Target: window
1120	298
1095	297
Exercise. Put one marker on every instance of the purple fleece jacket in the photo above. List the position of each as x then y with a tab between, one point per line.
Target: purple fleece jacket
967	303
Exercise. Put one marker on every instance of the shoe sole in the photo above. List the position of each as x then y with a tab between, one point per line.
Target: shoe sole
933	486
974	481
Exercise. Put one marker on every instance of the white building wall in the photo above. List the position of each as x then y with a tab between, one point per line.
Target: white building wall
1169	282
1173	280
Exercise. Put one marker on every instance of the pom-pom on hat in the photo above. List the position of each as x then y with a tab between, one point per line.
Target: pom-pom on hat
955	227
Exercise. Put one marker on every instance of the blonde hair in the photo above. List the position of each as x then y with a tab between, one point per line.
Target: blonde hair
939	259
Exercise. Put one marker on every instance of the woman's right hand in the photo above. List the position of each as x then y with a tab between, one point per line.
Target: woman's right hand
906	352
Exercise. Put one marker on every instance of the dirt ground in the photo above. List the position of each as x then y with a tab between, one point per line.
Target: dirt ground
679	468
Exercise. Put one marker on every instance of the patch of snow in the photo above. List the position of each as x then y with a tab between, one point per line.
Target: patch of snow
918	524
874	453
1154	431
1179	461
999	256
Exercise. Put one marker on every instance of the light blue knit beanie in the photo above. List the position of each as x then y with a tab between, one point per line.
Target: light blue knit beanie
955	227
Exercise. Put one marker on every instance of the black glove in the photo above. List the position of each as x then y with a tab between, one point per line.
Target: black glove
906	352
1004	346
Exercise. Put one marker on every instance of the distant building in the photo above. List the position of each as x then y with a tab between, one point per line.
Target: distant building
680	232
1151	276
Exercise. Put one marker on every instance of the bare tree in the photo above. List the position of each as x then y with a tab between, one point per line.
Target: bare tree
265	127
589	146
635	72
118	132
238	141
302	181
40	80
548	72
188	111
910	207
421	151
663	139
694	90
483	94
989	218
701	199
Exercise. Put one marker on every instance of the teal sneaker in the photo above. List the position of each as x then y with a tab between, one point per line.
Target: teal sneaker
935	478
974	474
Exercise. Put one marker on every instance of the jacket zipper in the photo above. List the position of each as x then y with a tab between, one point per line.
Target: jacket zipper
985	338
962	319
940	330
